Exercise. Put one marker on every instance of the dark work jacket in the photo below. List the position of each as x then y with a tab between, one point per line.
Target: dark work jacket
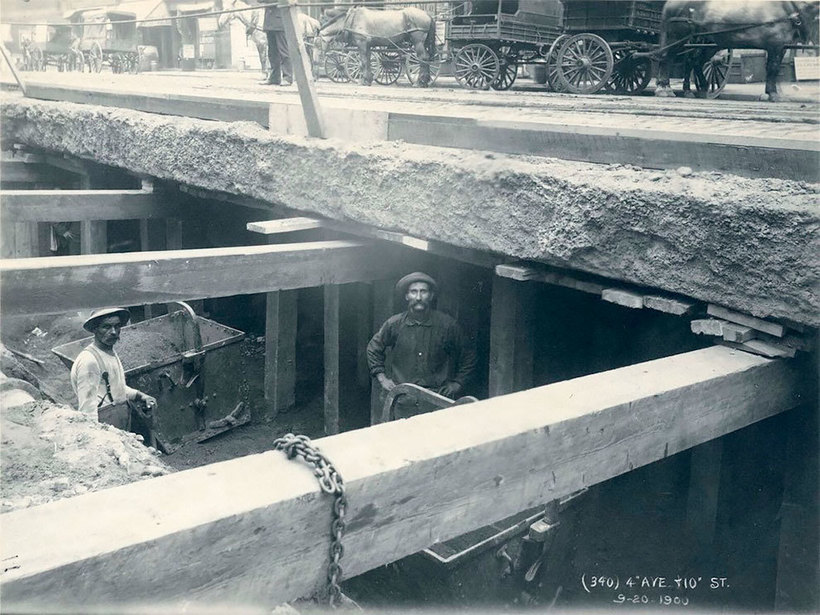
427	353
273	20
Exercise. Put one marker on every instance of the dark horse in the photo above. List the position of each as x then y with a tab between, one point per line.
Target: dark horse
392	29
727	24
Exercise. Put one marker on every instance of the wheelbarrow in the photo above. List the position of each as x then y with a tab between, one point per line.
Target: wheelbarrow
191	365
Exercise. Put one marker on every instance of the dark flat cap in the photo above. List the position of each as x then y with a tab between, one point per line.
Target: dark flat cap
416	276
97	315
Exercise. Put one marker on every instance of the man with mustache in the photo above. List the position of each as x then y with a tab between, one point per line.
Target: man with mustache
97	375
428	348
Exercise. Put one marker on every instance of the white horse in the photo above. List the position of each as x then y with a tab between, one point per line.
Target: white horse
253	18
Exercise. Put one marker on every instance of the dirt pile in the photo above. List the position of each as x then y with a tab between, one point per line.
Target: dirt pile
51	451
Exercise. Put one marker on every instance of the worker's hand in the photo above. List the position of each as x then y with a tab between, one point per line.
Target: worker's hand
450	389
386	383
149	401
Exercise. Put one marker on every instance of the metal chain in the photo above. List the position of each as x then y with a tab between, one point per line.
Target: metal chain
330	482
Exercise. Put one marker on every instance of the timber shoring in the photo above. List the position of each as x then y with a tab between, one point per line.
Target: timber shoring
254	530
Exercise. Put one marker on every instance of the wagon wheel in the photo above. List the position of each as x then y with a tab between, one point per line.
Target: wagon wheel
552	64
414	66
353	65
390	67
715	73
630	75
584	63
476	66
507	72
95	58
77	61
335	66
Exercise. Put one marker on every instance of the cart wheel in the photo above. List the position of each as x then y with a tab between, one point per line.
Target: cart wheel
507	72
715	73
95	58
390	67
630	75
584	63
134	60
414	67
552	64
353	65
335	66
476	66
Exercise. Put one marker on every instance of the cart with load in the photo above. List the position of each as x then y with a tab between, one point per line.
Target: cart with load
110	37
61	49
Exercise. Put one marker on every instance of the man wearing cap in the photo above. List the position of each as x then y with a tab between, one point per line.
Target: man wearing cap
97	375
279	66
428	347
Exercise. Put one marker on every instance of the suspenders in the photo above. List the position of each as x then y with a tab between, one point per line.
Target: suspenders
103	375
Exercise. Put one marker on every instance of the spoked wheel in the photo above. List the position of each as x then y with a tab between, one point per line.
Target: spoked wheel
476	66
552	64
335	66
507	72
353	65
391	65
630	75
414	66
95	58
715	74
584	63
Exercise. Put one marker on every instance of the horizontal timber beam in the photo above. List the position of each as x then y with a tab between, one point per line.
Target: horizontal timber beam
30	285
79	205
285	225
259	532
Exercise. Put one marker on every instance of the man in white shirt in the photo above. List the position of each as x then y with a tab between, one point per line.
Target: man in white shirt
97	375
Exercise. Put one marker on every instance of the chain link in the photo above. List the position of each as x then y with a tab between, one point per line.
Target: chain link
331	483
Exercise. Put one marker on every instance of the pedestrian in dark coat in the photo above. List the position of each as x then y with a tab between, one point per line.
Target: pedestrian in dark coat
281	70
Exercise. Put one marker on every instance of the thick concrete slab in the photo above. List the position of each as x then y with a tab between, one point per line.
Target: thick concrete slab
750	244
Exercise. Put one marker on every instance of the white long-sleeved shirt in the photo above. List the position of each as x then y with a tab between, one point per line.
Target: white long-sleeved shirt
88	384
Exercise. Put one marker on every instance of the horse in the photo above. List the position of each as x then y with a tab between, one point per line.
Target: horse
252	20
366	28
745	24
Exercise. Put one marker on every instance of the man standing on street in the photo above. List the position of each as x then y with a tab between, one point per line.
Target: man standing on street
280	70
428	347
97	375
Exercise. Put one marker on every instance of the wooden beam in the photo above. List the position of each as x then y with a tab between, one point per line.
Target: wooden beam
524	273
383	308
19	240
511	335
704	489
138	278
93	237
77	205
259	532
772	328
301	69
23	172
280	350
331	348
285	225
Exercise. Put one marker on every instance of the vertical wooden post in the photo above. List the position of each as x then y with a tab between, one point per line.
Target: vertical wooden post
331	345
20	240
280	350
511	331
173	234
363	306
301	69
94	236
383	308
704	489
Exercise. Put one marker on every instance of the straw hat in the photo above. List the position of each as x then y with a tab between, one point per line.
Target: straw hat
416	276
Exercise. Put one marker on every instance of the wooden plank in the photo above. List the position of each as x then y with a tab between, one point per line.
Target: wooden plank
511	348
551	276
19	240
24	172
737	333
75	205
707	326
280	350
331	350
259	533
668	305
285	225
301	69
772	328
764	348
138	278
623	297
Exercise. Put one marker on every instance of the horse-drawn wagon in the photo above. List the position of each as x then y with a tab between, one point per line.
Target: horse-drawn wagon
61	49
109	37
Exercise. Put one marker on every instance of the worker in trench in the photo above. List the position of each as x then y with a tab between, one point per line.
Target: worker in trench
98	377
427	346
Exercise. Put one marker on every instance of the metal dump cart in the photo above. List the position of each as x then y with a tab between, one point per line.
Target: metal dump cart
192	365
